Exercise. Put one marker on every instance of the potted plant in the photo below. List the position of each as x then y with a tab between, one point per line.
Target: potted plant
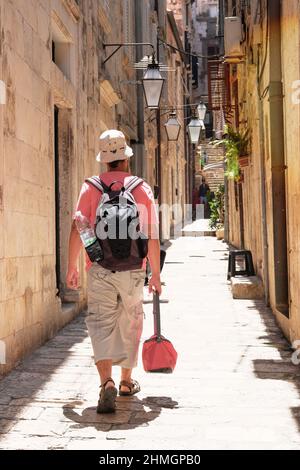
217	211
236	146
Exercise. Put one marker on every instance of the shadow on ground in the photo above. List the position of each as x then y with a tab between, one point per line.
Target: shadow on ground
131	413
27	381
282	369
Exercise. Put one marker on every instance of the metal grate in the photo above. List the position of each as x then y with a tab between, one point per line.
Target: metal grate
219	87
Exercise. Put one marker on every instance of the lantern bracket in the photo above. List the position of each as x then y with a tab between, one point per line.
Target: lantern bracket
119	45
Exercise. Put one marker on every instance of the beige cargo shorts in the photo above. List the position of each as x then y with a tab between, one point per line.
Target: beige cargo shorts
115	314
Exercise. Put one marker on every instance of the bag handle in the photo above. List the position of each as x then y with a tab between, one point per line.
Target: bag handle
156	315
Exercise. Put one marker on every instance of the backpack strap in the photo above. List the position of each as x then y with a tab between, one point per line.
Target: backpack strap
97	183
133	183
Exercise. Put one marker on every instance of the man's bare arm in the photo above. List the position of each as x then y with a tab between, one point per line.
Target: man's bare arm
154	260
75	246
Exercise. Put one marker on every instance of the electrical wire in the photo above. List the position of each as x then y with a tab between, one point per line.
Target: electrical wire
170	109
189	53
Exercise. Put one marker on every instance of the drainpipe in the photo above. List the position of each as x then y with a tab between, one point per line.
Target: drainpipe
158	124
159	175
140	165
277	153
242	216
263	188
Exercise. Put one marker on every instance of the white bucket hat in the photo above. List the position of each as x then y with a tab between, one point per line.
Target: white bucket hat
113	147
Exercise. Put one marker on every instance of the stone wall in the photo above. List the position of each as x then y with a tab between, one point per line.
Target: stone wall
261	172
290	28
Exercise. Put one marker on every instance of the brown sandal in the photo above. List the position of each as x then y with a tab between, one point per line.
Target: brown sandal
107	398
134	387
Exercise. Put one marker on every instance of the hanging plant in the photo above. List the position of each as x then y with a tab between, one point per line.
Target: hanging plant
236	145
217	208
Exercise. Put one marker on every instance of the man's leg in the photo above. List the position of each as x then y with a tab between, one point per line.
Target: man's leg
131	320
105	371
125	375
108	392
103	328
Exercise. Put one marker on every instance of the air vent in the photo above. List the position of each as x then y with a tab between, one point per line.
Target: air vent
233	39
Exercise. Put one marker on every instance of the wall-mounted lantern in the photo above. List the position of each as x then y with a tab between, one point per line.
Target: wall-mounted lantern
172	127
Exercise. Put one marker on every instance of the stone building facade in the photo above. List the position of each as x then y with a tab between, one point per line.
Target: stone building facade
263	205
206	44
174	162
59	97
182	12
167	163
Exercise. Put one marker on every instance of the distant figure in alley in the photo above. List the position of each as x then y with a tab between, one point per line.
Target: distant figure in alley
116	220
204	191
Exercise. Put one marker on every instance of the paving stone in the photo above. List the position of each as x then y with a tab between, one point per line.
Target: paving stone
6	425
4	400
88	431
15	441
85	416
41	428
19	412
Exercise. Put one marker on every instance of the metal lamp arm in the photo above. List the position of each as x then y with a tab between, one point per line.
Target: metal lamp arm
127	44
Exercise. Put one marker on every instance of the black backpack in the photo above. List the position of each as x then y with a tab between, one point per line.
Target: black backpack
117	225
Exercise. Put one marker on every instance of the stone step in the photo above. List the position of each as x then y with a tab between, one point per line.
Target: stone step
188	233
244	287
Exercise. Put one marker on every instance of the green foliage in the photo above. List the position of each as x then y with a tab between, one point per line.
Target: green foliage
217	208
236	144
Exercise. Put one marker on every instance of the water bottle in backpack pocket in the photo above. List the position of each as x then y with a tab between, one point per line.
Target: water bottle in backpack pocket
88	238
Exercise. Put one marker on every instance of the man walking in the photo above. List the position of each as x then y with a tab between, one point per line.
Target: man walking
115	286
203	191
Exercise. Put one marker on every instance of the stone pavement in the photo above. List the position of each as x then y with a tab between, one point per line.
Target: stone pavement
234	386
198	228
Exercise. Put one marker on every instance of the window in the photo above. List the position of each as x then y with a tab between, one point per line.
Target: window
219	86
226	7
212	51
234	9
61	47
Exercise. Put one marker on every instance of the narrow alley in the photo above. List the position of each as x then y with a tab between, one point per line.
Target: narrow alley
234	386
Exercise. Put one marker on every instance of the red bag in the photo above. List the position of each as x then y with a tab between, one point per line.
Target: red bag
159	355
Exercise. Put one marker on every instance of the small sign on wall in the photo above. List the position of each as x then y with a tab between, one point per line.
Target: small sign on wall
2	92
2	353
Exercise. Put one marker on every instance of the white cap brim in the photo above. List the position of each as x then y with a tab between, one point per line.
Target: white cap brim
127	154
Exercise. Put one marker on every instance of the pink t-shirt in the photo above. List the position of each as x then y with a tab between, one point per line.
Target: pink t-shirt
89	198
